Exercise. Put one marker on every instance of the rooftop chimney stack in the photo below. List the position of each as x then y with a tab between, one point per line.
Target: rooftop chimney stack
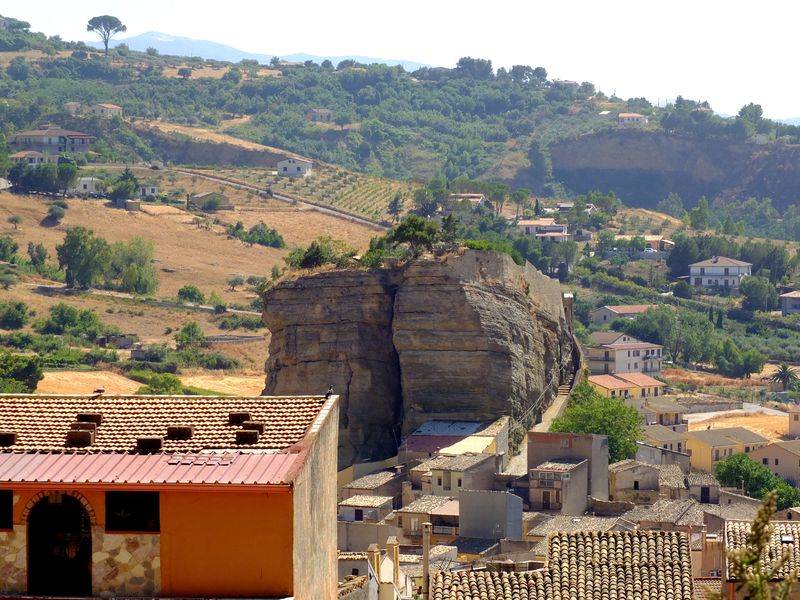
374	559
426	560
393	550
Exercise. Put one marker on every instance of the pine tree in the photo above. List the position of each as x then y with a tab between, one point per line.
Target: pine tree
711	313
719	319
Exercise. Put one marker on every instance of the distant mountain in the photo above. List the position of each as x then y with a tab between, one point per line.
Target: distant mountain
183	46
791	121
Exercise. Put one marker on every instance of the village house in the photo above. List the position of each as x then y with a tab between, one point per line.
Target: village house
490	515
455	437
72	108
319	115
544	228
653	453
652	243
295	167
627	119
719	271
164	496
606	314
634	481
52	140
665	437
104	109
473	199
448	475
381	483
369	509
662	411
794	421
33	158
547	447
790	303
782	458
561	485
612	352
409	519
709	447
88	186
147	190
586	565
627	385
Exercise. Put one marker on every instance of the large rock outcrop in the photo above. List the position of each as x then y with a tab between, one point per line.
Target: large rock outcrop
468	336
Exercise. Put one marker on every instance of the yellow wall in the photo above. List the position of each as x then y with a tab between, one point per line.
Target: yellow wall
633	391
226	544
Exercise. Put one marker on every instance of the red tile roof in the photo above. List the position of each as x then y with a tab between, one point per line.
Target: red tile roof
41	422
145	470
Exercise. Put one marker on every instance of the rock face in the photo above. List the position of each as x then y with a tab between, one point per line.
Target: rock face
469	336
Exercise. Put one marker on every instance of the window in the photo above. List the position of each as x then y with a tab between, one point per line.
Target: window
636	485
6	509
459	483
747	448
796	417
354	572
132	511
439	481
716	454
776	462
764	461
359	514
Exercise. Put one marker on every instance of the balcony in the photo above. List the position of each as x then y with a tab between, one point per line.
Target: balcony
445	530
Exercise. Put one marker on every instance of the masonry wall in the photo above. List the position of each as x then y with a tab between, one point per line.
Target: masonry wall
13	561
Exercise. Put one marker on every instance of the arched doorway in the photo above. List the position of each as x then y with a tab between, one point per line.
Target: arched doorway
59	547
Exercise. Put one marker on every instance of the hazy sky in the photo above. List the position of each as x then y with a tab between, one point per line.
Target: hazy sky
727	52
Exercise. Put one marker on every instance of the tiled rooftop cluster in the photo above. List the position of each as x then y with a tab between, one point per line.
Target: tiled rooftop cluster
587	566
785	538
42	423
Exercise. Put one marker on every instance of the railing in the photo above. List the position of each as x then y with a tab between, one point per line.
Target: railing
444	530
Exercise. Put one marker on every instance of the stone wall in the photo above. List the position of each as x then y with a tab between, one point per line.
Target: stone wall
125	564
14	561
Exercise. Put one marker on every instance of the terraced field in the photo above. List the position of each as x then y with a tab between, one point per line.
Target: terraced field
338	188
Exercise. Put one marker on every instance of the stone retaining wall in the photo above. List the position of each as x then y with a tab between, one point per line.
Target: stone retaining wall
126	564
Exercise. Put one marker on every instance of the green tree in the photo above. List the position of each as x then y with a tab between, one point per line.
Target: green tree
758	481
8	248
106	27
520	199
758	294
191	293
37	254
785	375
125	186
190	335
235	281
55	213
700	215
590	412
130	266
719	319
19	373
185	72
396	206
683	254
66	174
83	257
13	315
425	203
416	231
14	220
162	384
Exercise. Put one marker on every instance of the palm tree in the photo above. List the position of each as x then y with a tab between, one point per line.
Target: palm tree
785	375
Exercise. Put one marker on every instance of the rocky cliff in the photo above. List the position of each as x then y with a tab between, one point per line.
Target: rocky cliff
468	336
643	167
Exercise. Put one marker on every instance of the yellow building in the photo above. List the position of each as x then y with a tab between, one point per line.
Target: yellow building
627	385
709	447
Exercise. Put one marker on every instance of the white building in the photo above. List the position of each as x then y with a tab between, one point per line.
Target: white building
294	167
104	109
146	190
632	119
545	228
88	185
614	352
719	271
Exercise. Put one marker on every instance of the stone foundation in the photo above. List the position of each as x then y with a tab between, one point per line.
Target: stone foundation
13	561
126	564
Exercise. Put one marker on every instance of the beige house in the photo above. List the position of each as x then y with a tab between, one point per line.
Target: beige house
613	352
713	445
545	228
661	411
606	314
448	475
381	483
549	447
628	119
718	271
790	303
782	458
32	157
52	140
794	420
560	484
634	481
665	437
104	109
295	167
369	509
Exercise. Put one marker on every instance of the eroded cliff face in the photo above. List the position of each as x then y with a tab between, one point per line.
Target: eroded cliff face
469	336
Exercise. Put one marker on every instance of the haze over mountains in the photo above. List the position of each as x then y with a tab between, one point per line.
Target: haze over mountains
183	46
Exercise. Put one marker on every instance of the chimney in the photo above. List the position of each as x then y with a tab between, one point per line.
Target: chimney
407	493
374	559
393	550
426	560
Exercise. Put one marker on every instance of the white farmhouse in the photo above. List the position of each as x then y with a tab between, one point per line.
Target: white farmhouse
719	271
294	167
545	228
790	303
88	185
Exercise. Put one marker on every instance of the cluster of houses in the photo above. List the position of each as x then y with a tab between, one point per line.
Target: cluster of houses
45	145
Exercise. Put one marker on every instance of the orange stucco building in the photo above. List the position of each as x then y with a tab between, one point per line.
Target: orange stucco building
235	498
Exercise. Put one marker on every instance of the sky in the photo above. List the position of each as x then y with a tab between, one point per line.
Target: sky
726	52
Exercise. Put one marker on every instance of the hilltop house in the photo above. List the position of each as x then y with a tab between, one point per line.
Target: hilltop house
52	140
612	352
104	109
88	185
319	115
545	228
164	496
606	314
147	190
33	158
709	447
627	385
295	167
719	271
627	119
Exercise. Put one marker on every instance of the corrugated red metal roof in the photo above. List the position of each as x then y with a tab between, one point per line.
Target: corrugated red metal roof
223	469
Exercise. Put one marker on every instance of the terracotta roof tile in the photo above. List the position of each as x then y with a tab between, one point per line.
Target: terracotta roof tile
784	538
41	422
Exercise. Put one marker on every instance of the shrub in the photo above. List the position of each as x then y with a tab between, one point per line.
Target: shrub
13	315
240	321
191	293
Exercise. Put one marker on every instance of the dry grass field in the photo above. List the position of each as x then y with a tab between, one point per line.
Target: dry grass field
773	427
206	135
703	379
